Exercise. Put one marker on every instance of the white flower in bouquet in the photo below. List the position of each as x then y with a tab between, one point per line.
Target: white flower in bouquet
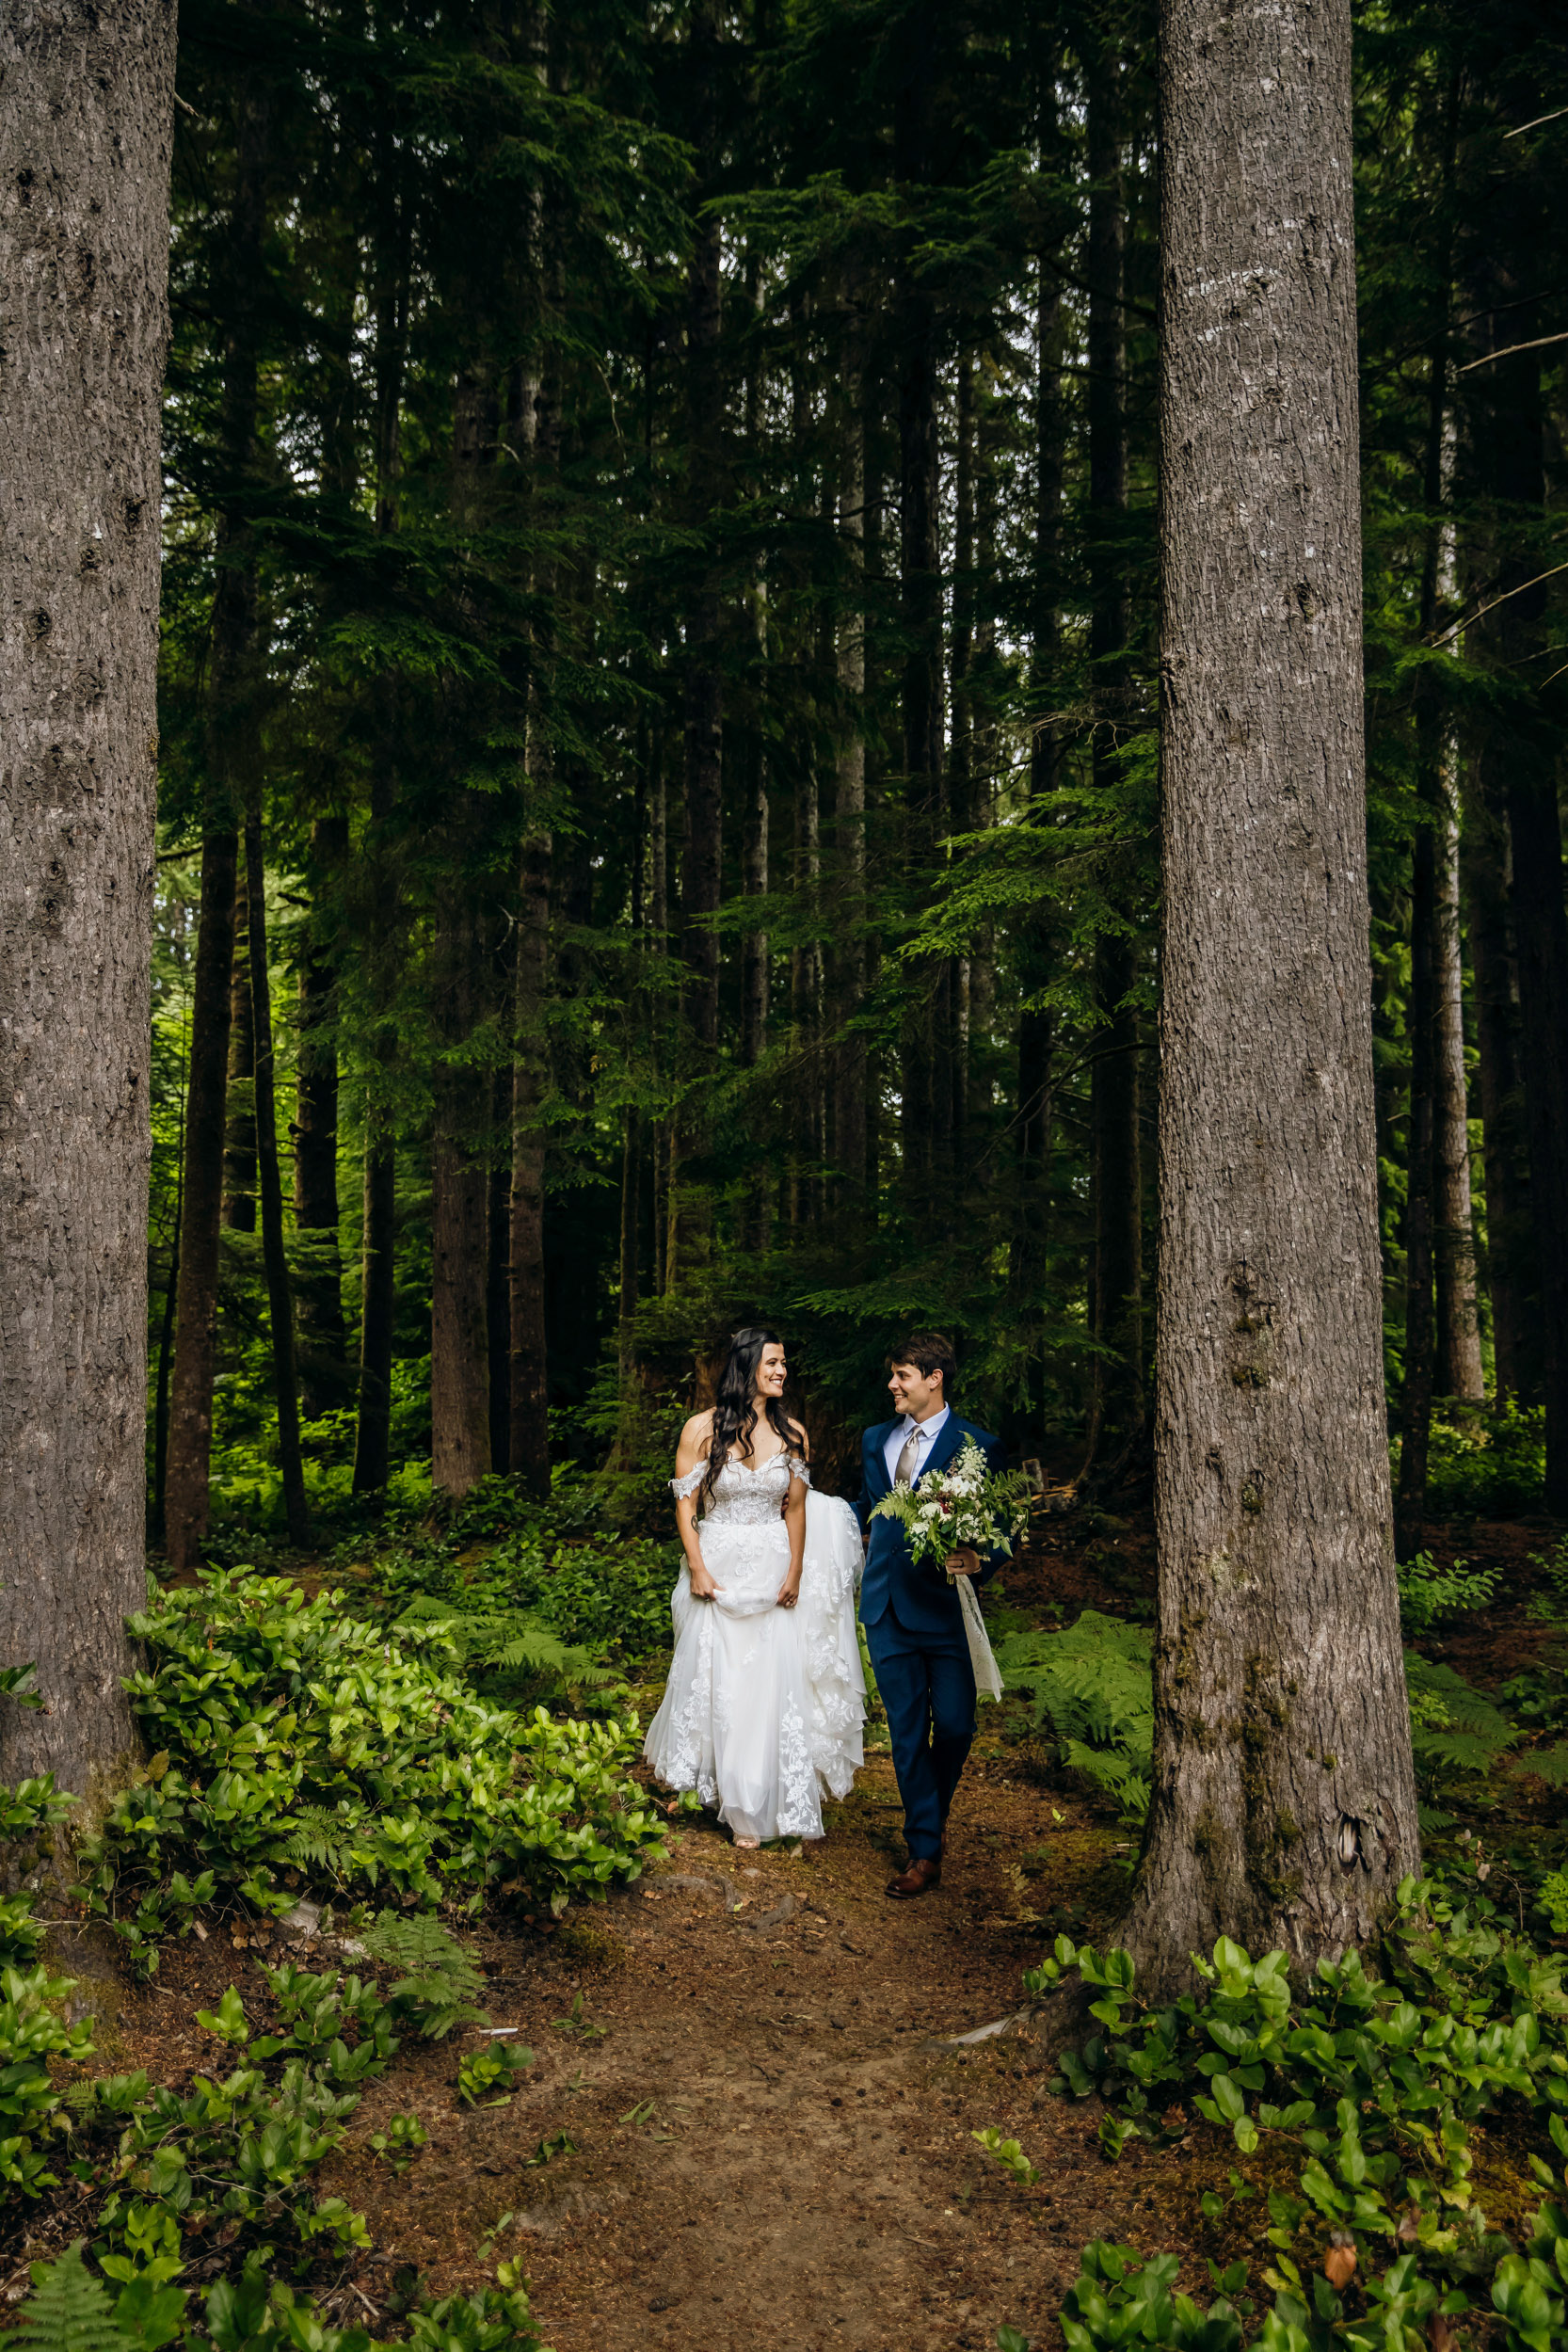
961	1506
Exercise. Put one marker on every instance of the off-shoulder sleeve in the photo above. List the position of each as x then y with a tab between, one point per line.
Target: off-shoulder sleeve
689	1485
800	1470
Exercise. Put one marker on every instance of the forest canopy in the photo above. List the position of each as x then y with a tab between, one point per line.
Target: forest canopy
659	704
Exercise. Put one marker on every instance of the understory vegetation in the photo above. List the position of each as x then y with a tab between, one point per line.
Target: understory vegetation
1376	2110
447	1724
373	1759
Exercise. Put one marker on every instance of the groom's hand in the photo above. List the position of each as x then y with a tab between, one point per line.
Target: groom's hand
962	1562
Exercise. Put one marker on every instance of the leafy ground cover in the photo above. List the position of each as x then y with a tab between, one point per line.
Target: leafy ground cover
722	2025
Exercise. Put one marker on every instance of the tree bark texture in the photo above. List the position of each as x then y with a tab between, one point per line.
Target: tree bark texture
279	1289
1459	1373
239	1138
1284	1809
498	1280
459	1339
318	1285
1483	871
849	816
925	1116
1419	1322
190	1423
378	1310
165	1357
528	1440
83	226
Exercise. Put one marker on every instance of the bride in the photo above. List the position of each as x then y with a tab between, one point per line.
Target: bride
765	1698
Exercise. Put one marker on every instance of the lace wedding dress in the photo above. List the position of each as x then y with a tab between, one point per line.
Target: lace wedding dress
763	1707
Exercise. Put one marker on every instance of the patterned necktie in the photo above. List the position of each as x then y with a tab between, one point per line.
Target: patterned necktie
904	1474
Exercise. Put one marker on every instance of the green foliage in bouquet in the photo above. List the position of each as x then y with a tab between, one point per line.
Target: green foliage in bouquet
962	1504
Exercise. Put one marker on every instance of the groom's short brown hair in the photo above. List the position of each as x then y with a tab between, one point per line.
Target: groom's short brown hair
928	1352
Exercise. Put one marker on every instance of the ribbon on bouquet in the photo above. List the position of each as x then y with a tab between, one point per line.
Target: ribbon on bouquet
987	1676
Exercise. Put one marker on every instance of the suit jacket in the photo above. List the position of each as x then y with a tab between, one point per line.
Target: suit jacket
921	1598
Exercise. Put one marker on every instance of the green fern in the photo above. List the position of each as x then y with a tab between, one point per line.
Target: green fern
437	1979
1548	1763
68	2310
505	1640
322	1840
1094	1694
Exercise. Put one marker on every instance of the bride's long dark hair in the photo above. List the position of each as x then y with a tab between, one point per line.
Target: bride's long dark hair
735	1406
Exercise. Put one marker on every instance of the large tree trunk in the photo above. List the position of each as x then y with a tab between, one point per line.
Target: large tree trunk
279	1290
191	1424
1284	1807
83	224
323	1339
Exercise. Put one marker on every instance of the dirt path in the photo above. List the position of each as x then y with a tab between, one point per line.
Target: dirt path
771	2148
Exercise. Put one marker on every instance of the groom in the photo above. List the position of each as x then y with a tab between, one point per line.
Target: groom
913	1619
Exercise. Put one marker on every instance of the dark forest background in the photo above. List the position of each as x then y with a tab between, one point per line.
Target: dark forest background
660	797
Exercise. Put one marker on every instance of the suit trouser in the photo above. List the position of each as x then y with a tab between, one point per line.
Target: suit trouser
927	1686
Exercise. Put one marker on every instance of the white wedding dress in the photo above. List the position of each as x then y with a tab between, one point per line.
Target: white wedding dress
763	1708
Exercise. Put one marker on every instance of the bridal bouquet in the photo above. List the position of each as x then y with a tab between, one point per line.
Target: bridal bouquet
964	1504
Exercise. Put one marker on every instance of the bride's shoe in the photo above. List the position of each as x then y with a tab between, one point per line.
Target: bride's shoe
748	1845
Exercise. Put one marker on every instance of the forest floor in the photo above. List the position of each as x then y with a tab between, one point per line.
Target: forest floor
767	2124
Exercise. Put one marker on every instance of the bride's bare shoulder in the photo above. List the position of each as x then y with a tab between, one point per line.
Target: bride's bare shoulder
800	1437
695	1438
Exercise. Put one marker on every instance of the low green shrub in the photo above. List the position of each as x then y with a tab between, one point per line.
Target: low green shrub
296	1746
30	1812
226	2171
1428	1593
1549	1606
33	2034
1487	1466
1094	1700
600	1600
1375	2081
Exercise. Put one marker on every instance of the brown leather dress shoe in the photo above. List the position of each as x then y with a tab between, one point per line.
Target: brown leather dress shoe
923	1874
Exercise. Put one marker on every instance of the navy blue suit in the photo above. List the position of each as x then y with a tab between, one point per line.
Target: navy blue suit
915	1633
